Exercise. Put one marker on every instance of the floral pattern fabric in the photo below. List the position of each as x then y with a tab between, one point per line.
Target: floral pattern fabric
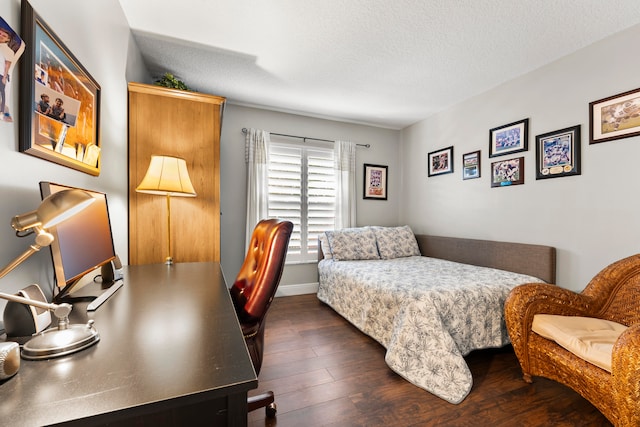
428	313
396	242
353	244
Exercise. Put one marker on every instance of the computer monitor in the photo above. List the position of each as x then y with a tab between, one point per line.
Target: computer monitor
82	243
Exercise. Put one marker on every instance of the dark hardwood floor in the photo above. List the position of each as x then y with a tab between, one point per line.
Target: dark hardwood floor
325	372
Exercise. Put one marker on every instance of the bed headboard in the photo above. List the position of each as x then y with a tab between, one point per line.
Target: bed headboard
534	260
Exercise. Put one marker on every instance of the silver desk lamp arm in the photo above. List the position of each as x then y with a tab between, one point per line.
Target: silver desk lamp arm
61	311
43	238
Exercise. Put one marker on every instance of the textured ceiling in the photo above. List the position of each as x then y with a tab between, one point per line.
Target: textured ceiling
387	63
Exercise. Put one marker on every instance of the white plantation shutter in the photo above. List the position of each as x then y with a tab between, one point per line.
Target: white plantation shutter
302	189
321	197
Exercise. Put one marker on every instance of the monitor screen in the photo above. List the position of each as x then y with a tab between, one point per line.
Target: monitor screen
83	242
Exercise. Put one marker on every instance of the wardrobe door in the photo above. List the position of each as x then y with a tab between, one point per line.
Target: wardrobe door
183	124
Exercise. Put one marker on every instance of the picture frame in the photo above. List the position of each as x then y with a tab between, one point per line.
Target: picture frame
509	172
66	129
509	139
614	117
375	182
440	162
471	165
558	153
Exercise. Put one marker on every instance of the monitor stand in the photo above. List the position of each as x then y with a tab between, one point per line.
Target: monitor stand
95	296
105	295
110	274
64	295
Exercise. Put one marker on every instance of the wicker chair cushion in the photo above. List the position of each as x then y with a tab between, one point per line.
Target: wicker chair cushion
589	338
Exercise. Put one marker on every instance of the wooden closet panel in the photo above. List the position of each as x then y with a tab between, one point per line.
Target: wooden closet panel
183	124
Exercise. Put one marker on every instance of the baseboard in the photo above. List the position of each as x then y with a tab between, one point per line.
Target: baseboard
297	289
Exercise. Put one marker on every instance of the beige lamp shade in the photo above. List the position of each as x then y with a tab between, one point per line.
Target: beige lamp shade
167	176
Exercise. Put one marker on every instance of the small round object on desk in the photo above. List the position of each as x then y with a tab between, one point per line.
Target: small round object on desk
9	359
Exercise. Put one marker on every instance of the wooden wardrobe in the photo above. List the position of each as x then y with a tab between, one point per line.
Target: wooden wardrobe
183	124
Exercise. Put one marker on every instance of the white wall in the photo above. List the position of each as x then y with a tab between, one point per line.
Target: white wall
98	34
383	151
101	40
592	219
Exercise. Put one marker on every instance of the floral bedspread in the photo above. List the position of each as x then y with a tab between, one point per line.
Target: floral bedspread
428	313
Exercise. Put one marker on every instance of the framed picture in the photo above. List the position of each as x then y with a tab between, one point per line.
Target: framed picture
507	172
440	162
471	165
615	117
509	139
375	182
12	49
558	153
59	100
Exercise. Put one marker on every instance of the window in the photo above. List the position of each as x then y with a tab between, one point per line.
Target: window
302	189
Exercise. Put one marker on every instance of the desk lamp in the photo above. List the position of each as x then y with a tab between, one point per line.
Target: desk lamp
167	176
66	338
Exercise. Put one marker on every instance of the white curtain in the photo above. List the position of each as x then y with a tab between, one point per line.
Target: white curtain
257	158
345	158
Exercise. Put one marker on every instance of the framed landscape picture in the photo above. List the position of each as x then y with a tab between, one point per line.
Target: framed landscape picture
440	162
375	182
471	165
507	172
558	153
509	139
614	117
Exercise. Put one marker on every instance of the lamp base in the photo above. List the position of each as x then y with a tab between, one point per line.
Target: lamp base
60	342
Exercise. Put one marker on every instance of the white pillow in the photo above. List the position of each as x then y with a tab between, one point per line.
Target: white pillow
588	338
324	246
353	244
396	242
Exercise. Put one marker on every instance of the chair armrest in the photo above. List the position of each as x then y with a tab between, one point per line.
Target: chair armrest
525	301
533	298
625	364
626	351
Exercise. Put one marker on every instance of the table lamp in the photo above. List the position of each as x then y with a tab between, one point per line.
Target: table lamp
167	176
66	338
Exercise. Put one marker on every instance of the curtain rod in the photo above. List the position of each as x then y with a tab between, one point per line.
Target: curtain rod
244	130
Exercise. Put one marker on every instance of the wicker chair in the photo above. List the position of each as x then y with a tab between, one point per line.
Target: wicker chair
613	294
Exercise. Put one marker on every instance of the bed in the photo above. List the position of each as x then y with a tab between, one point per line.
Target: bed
428	300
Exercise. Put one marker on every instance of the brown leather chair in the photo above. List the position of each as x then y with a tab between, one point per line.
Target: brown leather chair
254	289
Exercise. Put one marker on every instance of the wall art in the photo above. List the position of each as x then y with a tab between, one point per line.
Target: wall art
558	153
615	117
440	162
59	100
11	49
507	172
471	165
509	139
375	182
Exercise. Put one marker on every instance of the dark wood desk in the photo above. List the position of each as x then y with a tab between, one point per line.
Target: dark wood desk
170	353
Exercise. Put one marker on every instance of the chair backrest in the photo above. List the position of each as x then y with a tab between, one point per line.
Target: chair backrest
258	278
615	291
